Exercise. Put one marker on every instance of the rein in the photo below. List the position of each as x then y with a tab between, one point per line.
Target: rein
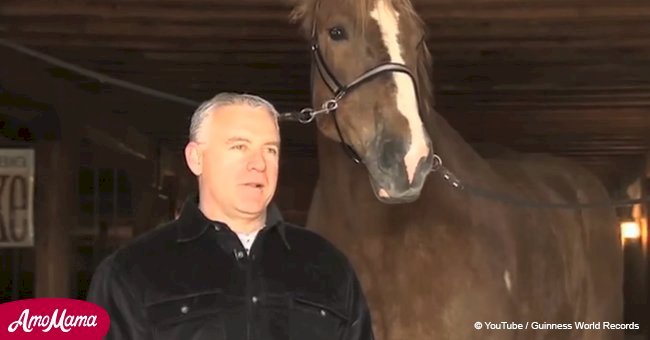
450	178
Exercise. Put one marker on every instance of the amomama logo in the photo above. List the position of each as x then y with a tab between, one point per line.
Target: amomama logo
52	318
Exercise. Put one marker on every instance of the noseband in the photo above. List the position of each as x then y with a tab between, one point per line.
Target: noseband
339	91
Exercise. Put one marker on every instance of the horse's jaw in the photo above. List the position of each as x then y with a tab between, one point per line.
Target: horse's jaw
396	201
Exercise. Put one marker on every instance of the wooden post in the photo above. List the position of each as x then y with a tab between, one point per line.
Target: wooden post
645	209
145	209
55	209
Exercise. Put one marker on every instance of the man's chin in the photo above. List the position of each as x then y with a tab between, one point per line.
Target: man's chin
252	209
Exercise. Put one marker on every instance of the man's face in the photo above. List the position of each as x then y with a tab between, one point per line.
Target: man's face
239	158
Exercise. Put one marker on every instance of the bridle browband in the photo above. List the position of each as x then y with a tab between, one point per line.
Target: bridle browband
339	91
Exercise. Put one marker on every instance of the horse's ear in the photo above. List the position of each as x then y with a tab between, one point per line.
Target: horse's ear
302	13
295	3
298	6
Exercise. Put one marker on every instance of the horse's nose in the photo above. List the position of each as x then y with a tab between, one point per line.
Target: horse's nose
391	178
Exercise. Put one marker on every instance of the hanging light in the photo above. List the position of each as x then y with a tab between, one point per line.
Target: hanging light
630	230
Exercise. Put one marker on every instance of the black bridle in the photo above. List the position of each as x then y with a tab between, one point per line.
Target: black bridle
339	91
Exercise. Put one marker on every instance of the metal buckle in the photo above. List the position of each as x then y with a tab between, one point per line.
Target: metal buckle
330	105
436	164
306	115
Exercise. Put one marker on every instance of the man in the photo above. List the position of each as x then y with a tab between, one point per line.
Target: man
229	267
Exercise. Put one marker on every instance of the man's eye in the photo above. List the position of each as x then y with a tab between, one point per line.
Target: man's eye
238	147
273	151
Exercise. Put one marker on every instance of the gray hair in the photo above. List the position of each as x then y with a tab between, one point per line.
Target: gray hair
225	99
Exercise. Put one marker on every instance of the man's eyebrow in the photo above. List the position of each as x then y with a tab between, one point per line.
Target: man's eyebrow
243	139
237	139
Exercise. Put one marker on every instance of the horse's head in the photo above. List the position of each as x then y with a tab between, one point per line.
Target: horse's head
370	57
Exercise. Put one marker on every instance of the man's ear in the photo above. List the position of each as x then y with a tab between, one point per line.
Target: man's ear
194	158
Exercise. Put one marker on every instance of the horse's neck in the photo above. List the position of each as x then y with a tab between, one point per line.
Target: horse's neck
333	162
340	178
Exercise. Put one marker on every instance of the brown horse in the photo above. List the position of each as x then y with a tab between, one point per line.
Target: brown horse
433	258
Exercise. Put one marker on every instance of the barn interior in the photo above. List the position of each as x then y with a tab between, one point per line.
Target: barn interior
102	93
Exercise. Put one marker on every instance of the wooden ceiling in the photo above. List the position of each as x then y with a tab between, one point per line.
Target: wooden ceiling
570	77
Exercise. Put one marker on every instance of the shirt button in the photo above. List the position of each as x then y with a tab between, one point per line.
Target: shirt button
254	299
323	312
185	309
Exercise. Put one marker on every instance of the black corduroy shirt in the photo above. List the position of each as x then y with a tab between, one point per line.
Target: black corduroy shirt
192	279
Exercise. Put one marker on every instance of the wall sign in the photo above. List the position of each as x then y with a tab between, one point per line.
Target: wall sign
17	197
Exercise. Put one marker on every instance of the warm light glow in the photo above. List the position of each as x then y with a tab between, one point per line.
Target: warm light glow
630	230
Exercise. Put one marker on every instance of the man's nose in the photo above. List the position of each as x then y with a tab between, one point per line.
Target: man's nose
257	161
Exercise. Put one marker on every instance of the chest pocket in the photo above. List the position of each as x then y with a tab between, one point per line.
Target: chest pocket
193	317
310	319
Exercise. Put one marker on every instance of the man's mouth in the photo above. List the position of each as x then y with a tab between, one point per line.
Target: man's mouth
254	185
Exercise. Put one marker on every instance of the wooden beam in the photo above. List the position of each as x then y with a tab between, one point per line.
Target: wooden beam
597	83
253	57
192	12
452	93
22	114
543	89
110	108
537	11
290	90
299	64
444	72
118	29
144	43
296	45
266	74
532	102
467	28
514	106
417	3
108	10
442	57
444	29
507	3
55	214
608	74
96	135
204	3
445	58
531	121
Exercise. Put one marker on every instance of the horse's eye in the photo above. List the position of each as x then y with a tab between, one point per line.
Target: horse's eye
338	33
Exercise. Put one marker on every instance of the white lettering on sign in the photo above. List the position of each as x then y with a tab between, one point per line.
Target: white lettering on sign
16	197
13	162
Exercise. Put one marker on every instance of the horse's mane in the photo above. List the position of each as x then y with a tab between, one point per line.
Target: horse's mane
305	12
424	75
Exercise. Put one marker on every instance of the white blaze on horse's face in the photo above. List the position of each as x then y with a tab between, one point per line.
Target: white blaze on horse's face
388	21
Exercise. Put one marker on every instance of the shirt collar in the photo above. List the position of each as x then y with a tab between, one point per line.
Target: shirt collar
193	223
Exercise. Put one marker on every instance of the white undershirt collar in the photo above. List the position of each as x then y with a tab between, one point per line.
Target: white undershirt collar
248	239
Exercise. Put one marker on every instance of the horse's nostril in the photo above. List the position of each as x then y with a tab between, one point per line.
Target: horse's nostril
392	152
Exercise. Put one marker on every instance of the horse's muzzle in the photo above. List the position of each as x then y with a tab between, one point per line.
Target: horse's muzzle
390	180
